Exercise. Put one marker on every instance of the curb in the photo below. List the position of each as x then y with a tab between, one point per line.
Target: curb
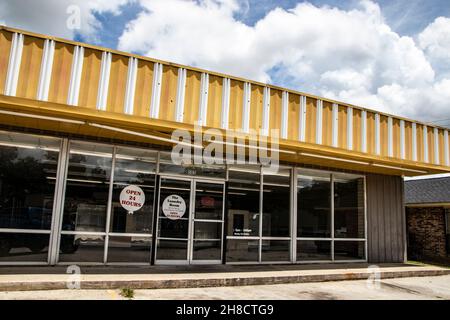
211	282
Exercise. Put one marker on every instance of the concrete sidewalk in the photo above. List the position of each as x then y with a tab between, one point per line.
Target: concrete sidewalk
163	277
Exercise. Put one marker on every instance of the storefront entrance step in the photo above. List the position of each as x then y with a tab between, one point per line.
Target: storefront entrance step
48	278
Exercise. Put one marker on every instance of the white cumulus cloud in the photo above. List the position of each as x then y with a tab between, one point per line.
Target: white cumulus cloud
351	55
51	16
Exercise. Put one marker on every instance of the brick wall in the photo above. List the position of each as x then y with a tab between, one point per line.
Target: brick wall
426	233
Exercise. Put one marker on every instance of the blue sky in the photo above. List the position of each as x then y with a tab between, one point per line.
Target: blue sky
389	55
407	17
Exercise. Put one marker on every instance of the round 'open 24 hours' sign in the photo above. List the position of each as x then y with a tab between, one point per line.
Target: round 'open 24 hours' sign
132	198
174	207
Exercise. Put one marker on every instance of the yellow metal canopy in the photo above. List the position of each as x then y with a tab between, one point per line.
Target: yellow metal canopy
69	87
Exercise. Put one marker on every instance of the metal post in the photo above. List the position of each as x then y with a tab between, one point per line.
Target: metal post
108	210
58	202
332	216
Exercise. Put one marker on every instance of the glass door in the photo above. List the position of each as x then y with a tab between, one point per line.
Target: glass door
207	230
190	221
173	225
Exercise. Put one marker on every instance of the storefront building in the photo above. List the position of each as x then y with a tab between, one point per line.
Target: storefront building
87	176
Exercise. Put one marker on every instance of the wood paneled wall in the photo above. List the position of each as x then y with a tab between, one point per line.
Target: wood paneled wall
385	219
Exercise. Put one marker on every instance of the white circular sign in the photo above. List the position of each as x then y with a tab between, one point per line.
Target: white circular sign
174	207
132	198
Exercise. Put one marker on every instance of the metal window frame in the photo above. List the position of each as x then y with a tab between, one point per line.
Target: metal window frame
191	223
332	239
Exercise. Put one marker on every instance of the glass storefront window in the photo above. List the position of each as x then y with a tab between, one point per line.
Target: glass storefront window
208	201
30	247
276	204
348	207
313	204
242	250
28	166
276	250
132	249
137	168
207	250
87	187
313	250
82	248
349	250
243	201
171	249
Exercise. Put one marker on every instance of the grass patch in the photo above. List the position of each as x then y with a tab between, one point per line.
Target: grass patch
127	293
436	263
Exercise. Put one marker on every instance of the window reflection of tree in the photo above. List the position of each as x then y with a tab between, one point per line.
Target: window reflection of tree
26	193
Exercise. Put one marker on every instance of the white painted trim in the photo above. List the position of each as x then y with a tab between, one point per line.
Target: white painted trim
414	141
46	70
335	125
181	89
105	70
203	106
436	146
15	58
402	139
319	116
377	134
364	131
349	128
225	102
284	114
425	144
266	111
446	149
131	85
302	120
156	90
246	107
75	76
390	137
